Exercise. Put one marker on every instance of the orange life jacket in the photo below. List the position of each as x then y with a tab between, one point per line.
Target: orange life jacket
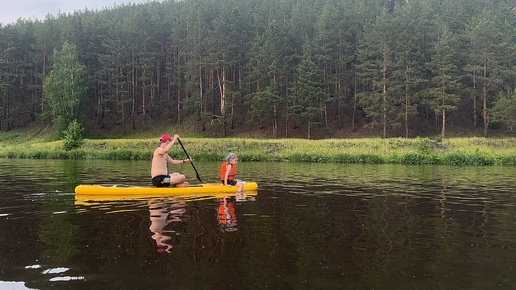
223	169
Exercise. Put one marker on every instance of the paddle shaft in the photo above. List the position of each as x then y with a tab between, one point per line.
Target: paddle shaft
191	161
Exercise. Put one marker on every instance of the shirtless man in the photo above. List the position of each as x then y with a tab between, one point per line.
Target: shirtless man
160	161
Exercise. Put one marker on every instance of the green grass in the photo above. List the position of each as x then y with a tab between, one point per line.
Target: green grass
452	151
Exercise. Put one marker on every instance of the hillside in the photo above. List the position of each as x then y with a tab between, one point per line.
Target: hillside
293	68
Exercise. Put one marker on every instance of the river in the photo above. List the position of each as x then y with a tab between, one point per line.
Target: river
309	226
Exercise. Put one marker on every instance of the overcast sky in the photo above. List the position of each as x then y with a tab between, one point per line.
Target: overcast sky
12	10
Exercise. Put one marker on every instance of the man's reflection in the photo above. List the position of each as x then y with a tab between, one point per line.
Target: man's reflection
162	214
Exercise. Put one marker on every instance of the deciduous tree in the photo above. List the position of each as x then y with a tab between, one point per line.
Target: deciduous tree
65	87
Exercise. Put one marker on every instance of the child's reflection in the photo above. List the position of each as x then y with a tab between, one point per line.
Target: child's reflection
162	213
226	212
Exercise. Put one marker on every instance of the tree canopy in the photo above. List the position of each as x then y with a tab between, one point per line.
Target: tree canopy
65	87
287	66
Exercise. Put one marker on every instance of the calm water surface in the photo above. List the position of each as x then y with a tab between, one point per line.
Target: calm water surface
309	226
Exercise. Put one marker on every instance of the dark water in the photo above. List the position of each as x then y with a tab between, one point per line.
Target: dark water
310	226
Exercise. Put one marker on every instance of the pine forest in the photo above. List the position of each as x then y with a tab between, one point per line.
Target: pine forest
287	68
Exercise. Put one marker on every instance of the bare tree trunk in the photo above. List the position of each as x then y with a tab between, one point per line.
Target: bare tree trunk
123	97
443	130
33	97
436	118
407	101
443	119
354	115
201	92
275	123
178	91
233	100
327	90
338	88
275	110
178	100
201	100
222	91
118	100
44	72
325	115
232	110
484	105
144	108
99	109
156	90
211	84
384	101
7	110
152	95
286	111
474	99
133	95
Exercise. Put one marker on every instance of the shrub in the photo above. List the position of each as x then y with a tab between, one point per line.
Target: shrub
424	146
73	136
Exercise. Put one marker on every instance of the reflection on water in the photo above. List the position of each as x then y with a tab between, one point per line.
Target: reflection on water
309	226
227	214
165	216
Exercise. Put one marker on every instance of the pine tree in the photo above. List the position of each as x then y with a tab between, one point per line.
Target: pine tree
446	79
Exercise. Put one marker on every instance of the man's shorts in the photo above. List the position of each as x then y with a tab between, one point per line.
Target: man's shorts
231	182
161	180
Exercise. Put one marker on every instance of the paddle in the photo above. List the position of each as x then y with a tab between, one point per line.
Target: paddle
198	177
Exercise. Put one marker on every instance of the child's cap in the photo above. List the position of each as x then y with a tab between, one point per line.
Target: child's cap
230	156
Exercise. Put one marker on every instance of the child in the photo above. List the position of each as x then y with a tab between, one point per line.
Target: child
228	172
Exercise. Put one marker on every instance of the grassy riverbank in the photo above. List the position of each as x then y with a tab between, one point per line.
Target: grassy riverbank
452	151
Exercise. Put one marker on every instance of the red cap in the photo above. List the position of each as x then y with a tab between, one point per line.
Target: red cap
165	138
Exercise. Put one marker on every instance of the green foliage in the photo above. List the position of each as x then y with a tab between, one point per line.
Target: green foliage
260	104
295	63
120	155
504	110
65	87
73	136
424	146
465	159
445	82
257	158
453	151
374	67
308	98
417	158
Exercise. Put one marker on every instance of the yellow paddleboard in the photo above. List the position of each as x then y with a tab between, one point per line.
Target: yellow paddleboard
124	191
